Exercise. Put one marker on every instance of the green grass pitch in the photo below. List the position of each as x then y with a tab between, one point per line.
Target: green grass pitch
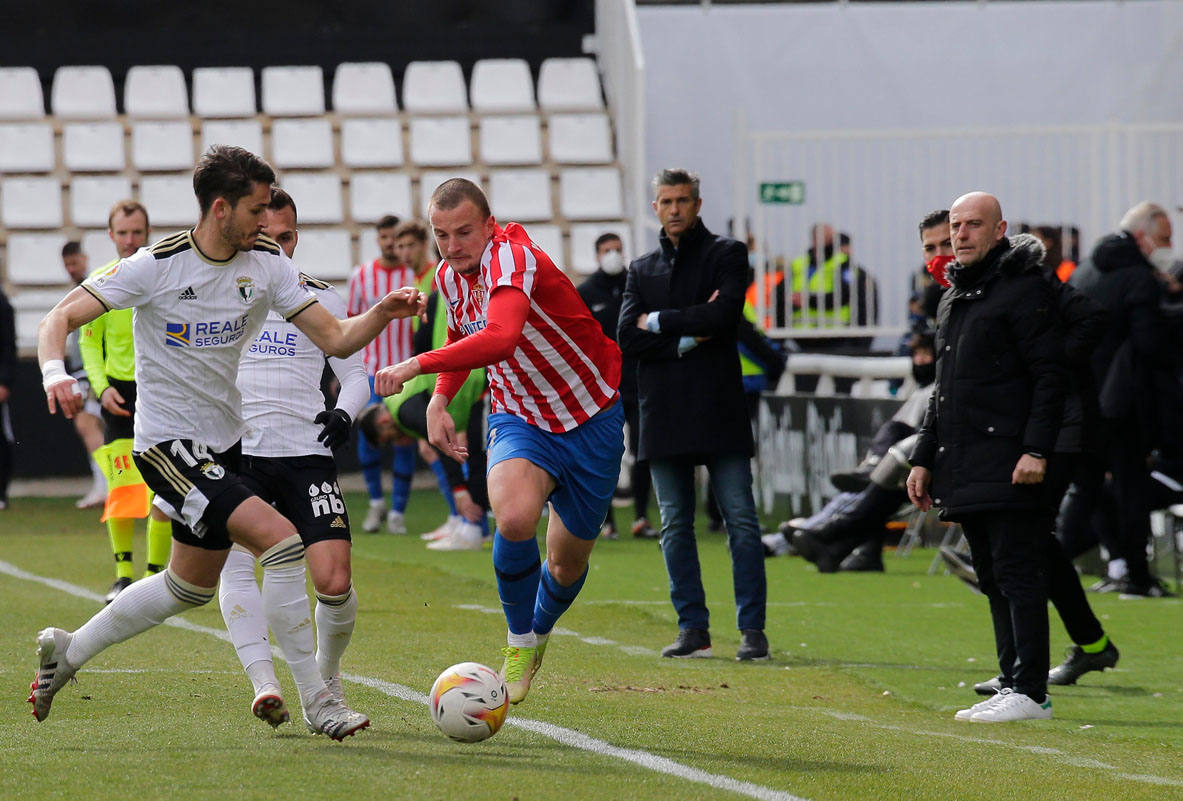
856	703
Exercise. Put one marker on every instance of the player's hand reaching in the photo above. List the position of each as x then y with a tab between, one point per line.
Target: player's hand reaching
336	424
441	430
390	380
61	390
404	302
114	403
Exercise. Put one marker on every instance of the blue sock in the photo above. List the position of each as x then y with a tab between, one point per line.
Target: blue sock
370	459
553	599
441	478
517	566
404	469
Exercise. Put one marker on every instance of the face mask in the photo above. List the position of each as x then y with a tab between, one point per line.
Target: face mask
1162	259
612	262
938	267
924	374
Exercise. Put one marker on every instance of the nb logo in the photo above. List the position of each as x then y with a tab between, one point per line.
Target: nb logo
326	499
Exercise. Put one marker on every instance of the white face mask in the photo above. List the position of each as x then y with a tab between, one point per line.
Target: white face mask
612	262
1162	259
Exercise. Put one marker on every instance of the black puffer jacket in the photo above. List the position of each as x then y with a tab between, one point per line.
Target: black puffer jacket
1000	382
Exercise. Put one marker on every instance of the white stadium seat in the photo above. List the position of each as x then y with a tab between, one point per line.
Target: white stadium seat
521	195
293	91
502	84
243	133
155	92
579	138
515	139
36	259
569	83
223	92
317	196
430	179
30	306
583	244
99	248
83	93
434	86
590	193
325	253
31	203
302	142
371	142
441	141
91	198
373	195
20	94
550	238
162	145
169	201
93	147
26	147
363	88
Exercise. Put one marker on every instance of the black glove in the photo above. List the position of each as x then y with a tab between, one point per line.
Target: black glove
336	424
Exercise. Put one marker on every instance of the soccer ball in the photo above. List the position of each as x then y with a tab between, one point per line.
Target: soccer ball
469	702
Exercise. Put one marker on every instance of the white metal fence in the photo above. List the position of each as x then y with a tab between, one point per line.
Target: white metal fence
876	185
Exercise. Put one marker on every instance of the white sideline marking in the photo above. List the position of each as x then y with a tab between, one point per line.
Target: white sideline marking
1065	757
565	736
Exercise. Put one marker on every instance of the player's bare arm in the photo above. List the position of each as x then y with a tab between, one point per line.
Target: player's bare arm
441	429
73	311
341	338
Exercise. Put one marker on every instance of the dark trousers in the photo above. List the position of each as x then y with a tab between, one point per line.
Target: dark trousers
5	451
1126	456
1009	550
1063	585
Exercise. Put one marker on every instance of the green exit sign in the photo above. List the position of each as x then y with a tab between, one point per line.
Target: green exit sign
791	192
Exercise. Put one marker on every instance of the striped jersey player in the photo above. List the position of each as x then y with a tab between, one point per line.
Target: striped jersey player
556	424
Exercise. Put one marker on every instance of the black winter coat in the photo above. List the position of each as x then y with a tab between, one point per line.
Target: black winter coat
1117	276
1000	384
603	295
691	404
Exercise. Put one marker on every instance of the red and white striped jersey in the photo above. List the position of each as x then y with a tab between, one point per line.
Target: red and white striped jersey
368	284
563	370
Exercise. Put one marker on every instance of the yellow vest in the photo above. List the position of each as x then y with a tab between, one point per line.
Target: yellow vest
823	282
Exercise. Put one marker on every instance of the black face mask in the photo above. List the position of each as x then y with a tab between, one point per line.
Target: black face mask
924	374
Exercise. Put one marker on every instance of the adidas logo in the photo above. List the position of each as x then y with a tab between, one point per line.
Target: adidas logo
337	522
188	294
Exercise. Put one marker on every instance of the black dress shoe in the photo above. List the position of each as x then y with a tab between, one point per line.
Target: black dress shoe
867	558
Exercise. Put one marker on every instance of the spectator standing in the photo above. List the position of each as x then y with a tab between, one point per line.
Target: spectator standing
679	320
1120	275
982	452
603	292
368	284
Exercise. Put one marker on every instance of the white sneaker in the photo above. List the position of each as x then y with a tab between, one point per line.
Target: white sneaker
332	718
447	527
466	537
966	714
53	671
269	707
395	523
373	520
1010	706
93	499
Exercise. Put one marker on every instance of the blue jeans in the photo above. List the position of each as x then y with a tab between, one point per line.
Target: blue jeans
731	481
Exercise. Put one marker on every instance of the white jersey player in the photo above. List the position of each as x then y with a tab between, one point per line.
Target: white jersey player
201	296
288	461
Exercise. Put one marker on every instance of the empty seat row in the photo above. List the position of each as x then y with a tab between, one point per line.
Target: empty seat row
160	92
584	193
575	138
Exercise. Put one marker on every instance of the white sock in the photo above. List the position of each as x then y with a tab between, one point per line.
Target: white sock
285	603
242	609
98	480
146	603
527	640
335	617
1117	569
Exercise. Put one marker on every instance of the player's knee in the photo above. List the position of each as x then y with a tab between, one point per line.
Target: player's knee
334	583
517	525
566	572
